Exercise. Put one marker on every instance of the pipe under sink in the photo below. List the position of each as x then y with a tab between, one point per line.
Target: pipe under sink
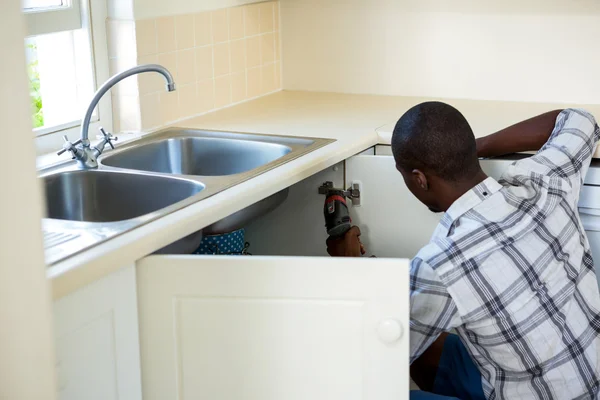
202	162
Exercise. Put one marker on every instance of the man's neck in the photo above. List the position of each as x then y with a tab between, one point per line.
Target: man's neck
457	189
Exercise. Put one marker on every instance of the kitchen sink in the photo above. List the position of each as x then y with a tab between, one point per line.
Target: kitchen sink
202	156
156	175
103	196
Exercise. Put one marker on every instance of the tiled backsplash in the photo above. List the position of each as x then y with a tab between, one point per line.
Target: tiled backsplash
217	58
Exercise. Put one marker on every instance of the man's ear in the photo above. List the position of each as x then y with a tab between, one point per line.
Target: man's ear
420	179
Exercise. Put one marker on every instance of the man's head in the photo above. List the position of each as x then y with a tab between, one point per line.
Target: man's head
435	151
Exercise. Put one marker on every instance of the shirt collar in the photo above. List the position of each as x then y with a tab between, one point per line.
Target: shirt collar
470	199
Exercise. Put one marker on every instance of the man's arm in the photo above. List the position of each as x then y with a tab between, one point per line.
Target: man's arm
528	135
565	141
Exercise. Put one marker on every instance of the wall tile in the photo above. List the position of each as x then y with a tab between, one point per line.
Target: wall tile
145	32
254	82
222	91
237	50
268	78
204	63
220	26
184	31
129	107
266	17
128	86
165	30
217	58
169	61
121	39
202	29
236	23
149	83
186	66
267	48
188	100
116	112
150	110
112	36
169	106
277	47
221	59
253	51
252	19
238	87
206	96
278	75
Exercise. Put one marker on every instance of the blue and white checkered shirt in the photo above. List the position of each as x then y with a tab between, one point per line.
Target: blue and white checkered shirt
509	267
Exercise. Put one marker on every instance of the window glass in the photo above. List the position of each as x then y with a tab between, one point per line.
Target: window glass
33	4
59	66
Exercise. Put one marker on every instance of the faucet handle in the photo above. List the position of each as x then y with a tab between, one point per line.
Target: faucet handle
108	137
68	146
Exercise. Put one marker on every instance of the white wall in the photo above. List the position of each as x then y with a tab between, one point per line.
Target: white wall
159	8
26	345
534	50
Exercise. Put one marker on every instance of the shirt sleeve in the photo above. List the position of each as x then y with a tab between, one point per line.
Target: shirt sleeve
567	154
432	310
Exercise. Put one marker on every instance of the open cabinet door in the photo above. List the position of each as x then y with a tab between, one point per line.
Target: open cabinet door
273	328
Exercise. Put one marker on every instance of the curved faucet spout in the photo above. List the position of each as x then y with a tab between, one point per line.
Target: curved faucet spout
81	150
85	123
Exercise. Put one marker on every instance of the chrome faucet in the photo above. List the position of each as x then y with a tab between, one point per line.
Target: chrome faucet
83	152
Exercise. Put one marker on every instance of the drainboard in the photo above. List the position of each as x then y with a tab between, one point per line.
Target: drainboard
52	239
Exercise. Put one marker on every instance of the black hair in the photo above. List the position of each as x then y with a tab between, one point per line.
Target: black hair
435	137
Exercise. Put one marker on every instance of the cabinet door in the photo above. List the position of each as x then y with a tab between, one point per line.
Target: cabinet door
392	221
97	342
272	328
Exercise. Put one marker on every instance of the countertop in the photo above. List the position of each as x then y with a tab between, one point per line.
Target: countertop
357	122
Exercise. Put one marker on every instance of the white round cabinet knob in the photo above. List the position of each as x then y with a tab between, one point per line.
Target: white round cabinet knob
389	330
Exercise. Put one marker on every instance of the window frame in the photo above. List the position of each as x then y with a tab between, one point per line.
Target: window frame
43	20
94	16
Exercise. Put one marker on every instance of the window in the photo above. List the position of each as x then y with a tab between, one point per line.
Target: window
66	56
48	16
37	4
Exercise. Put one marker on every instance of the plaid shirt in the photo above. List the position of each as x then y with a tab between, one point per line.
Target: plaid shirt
509	267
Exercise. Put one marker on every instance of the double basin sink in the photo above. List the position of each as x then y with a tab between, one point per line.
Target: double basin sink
157	175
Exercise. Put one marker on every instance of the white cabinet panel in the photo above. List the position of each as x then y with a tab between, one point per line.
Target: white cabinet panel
262	328
86	366
392	221
97	341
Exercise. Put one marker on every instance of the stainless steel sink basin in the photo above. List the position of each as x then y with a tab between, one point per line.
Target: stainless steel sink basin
102	196
201	156
156	175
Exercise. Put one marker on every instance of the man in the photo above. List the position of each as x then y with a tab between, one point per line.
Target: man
509	265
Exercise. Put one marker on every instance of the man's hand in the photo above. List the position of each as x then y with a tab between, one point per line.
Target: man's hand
347	246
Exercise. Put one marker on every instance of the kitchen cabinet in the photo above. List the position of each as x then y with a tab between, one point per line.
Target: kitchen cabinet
283	325
97	341
266	328
393	222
